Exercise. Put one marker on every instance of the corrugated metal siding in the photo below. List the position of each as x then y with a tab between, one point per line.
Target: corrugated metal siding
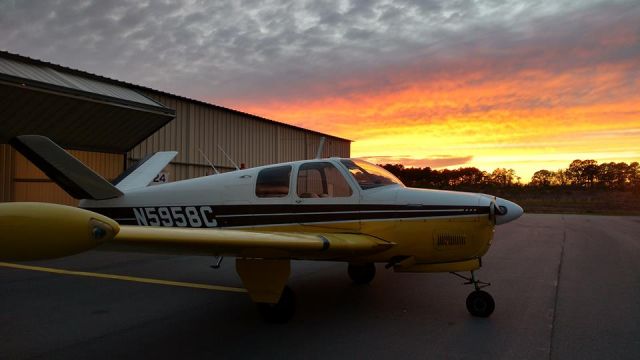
42	192
172	136
247	140
31	184
105	164
6	170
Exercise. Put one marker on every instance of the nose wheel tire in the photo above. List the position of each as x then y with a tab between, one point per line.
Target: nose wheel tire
280	312
480	304
362	273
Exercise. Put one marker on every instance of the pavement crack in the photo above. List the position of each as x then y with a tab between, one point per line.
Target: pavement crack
556	295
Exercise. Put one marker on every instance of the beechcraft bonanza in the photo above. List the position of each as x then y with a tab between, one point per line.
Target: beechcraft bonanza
323	209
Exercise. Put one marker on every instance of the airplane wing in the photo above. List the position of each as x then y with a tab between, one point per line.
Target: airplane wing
245	243
32	231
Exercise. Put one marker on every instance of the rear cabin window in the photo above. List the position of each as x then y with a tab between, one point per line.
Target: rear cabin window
321	179
273	182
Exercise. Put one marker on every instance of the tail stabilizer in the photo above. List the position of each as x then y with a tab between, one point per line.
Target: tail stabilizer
69	173
143	173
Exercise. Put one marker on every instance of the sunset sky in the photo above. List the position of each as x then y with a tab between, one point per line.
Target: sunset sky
524	85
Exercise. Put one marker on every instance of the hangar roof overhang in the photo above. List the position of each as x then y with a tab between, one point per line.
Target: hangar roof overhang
76	111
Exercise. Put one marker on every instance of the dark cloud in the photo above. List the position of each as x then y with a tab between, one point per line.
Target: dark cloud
260	50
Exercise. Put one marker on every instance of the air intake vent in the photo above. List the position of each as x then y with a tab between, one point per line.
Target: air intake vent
447	241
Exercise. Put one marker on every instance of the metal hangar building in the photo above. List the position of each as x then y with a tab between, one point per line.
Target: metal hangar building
110	124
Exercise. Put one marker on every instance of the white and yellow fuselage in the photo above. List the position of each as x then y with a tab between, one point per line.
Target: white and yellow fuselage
424	226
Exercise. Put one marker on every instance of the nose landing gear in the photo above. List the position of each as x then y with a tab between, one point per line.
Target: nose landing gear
479	303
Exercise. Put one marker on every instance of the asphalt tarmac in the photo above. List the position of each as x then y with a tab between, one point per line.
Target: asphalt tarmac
565	286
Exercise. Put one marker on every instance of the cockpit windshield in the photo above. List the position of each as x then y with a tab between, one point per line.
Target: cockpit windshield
368	175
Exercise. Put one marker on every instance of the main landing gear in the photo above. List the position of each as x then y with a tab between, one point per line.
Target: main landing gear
362	273
479	303
280	312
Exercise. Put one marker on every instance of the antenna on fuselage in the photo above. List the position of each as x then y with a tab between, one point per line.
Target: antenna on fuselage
320	147
228	157
209	161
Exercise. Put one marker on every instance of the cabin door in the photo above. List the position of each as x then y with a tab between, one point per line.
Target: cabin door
323	198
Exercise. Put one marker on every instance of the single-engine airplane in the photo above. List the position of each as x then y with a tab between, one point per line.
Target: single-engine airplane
335	209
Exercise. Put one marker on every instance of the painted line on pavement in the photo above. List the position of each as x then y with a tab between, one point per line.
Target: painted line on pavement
124	278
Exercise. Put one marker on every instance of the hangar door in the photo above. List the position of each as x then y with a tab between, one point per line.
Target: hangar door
100	118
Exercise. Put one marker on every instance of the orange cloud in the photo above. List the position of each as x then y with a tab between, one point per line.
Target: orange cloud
435	162
529	121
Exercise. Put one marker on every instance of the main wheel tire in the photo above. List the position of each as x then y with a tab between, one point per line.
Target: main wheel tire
480	303
280	312
362	273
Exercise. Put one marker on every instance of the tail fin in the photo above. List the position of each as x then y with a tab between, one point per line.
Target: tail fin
142	173
68	172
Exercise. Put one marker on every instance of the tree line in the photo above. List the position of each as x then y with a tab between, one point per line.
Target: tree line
589	174
584	174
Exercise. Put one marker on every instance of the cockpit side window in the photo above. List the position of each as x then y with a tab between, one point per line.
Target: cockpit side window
273	182
321	180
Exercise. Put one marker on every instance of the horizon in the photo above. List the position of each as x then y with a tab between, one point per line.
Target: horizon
526	85
518	178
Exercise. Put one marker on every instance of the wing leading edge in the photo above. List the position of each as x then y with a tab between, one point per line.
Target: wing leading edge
245	243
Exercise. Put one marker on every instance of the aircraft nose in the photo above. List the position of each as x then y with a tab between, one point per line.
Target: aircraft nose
509	211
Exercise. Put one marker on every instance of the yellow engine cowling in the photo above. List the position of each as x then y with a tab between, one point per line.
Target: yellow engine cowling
34	231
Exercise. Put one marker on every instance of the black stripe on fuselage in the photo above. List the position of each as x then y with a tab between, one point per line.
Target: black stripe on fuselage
250	215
